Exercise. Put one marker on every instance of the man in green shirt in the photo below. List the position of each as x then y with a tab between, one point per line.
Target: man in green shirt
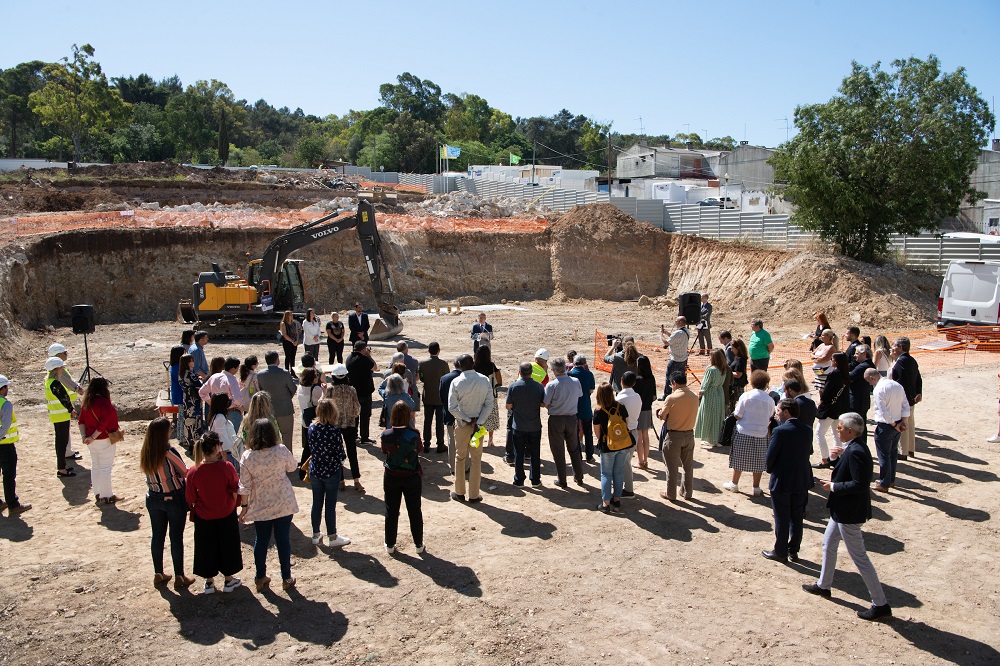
760	347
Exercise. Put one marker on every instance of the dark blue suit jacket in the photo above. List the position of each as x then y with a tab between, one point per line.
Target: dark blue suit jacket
807	410
850	500
443	387
788	458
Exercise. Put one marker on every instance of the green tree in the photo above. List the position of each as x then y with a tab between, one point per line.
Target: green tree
16	118
202	118
893	152
77	100
421	98
310	150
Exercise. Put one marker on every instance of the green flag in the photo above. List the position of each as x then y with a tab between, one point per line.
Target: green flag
514	159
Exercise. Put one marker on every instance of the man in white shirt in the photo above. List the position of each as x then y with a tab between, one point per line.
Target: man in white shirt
470	400
891	411
632	402
677	343
228	383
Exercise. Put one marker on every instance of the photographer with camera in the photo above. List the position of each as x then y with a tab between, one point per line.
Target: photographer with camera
616	357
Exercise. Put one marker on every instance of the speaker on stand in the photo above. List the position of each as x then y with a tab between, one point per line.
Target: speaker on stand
689	307
83	321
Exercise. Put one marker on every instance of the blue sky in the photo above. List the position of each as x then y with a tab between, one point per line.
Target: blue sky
736	68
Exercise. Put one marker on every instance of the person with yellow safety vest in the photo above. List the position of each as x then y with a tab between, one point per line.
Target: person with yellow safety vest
61	412
540	368
74	390
8	452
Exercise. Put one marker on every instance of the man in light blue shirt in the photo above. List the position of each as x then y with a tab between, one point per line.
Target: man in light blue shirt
562	396
470	400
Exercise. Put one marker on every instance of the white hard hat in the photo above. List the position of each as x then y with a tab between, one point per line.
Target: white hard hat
56	348
4	381
339	370
53	363
542	354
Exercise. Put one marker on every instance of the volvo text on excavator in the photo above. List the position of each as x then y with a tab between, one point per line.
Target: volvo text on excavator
228	304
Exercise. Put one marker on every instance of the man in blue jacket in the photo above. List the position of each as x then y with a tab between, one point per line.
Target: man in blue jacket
791	478
850	506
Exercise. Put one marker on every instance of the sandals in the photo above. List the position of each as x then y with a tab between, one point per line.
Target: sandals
69	471
161	579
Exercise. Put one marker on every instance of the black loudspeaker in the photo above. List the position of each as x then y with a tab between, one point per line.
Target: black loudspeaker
689	307
82	317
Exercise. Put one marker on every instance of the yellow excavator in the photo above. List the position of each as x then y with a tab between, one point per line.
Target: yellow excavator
230	305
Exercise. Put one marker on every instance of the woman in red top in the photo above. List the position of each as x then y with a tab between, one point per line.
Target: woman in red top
212	493
98	419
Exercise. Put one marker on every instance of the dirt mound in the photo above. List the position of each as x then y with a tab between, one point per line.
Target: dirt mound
751	281
160	171
600	252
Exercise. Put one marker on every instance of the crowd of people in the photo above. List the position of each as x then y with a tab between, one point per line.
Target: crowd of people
236	420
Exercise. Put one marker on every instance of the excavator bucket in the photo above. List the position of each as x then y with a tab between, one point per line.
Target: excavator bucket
380	331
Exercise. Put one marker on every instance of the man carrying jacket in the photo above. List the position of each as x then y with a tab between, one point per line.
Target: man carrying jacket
850	506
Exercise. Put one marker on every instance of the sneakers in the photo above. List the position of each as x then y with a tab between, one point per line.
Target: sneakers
420	549
605	508
209	587
317	538
731	487
232	584
995	439
875	612
389	549
757	492
262	583
338	541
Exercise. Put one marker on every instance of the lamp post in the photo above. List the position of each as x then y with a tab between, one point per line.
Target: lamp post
722	204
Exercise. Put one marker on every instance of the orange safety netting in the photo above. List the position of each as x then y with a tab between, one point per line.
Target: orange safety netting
33	225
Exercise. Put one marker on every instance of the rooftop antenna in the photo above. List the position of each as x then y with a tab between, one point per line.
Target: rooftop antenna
787	126
642	128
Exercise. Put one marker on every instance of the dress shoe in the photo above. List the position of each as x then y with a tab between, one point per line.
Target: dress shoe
474	500
458	498
771	555
562	484
879	488
823	464
875	612
441	449
813	588
794	557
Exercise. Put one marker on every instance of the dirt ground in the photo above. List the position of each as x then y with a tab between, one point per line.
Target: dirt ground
527	576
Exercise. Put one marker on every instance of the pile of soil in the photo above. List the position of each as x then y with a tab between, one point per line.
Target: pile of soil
600	252
161	170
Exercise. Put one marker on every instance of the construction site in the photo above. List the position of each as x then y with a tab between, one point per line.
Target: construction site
528	576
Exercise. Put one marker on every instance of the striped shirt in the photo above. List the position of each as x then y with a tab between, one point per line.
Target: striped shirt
170	475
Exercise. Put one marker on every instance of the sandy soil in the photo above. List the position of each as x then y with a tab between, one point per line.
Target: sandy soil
526	577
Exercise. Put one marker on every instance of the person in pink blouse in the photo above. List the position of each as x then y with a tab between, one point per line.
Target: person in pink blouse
98	419
227	383
269	499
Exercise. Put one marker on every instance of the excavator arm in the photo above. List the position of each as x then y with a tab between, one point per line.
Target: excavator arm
305	234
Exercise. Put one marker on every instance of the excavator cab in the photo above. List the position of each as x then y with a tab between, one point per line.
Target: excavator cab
289	293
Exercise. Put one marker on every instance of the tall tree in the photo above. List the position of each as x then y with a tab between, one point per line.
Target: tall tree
77	100
16	85
421	98
893	152
200	120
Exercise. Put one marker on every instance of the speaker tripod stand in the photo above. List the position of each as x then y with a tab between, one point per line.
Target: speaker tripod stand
88	372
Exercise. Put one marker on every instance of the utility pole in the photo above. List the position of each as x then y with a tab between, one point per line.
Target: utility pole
533	144
609	159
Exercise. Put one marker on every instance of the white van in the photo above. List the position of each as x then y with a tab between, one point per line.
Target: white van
970	294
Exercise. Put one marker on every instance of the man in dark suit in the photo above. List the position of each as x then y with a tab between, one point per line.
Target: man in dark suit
279	385
853	337
430	371
360	366
807	408
791	478
861	391
850	506
482	333
357	323
906	372
444	386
